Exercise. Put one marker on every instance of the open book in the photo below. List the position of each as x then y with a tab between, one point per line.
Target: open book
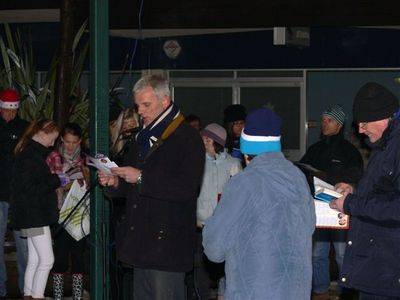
325	191
326	216
102	163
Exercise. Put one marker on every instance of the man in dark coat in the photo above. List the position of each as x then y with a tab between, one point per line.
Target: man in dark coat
371	263
11	129
161	179
339	161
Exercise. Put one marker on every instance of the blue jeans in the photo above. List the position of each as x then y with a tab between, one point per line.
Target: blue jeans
22	252
322	240
158	285
3	229
21	245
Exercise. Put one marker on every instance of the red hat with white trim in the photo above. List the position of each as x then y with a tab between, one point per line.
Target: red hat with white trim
9	99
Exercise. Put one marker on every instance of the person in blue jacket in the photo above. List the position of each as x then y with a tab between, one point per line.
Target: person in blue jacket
263	224
371	262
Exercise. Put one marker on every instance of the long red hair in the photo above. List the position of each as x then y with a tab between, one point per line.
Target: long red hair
45	125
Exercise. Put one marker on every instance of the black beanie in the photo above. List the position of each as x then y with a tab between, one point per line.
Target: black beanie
374	102
234	112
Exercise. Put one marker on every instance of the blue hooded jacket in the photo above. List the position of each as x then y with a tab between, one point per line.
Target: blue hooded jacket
262	228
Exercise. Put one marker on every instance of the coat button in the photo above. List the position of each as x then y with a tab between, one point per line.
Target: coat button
161	231
134	205
159	237
132	228
371	240
343	279
350	243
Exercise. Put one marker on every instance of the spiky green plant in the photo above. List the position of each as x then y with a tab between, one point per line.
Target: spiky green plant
18	71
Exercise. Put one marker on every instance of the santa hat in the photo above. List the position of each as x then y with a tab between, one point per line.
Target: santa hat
9	99
262	133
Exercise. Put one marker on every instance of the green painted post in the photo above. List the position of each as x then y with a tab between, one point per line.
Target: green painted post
98	135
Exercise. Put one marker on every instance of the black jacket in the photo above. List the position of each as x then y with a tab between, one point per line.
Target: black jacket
159	229
10	133
337	158
33	196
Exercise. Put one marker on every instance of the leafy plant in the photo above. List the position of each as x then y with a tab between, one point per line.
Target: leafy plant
37	99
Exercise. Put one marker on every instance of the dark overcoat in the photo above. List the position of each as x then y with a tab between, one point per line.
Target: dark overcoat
159	228
371	263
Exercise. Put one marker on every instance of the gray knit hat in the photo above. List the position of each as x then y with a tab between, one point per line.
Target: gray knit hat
215	132
336	112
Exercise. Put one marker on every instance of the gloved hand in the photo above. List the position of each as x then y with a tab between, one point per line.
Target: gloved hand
64	179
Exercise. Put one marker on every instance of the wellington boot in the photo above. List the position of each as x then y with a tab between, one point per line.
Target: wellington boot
58	286
77	286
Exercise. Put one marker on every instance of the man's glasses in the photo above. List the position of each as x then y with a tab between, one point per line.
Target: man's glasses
362	125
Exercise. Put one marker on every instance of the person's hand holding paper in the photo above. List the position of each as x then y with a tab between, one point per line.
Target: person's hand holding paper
342	187
106	179
129	174
338	203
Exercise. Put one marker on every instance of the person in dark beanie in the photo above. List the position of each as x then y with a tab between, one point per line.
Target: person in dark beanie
263	225
234	120
11	130
371	263
338	160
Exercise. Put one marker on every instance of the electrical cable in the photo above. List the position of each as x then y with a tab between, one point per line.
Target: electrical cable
141	4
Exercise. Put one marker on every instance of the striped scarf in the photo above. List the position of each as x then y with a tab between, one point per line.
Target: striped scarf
151	133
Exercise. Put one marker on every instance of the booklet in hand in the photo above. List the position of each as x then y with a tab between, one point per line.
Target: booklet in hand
324	191
102	163
326	216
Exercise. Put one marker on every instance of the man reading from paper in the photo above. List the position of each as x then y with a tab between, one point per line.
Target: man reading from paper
160	181
371	263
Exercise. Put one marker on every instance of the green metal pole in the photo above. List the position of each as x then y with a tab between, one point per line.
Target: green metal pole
99	207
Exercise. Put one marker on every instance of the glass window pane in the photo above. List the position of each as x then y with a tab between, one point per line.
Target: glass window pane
206	102
283	100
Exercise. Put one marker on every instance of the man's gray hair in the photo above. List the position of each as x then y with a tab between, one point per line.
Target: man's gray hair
158	83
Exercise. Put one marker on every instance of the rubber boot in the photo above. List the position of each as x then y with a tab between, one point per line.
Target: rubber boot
58	286
77	286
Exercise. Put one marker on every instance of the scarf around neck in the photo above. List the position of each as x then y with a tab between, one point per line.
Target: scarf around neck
70	161
150	134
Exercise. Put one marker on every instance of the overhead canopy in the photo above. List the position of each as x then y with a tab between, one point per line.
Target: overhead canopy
176	17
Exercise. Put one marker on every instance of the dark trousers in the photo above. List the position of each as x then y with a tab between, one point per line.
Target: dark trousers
205	271
158	285
64	247
365	296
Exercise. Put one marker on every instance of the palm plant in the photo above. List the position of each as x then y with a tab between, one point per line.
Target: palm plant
37	99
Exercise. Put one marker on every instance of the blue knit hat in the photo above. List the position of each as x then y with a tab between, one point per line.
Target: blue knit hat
336	112
262	132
